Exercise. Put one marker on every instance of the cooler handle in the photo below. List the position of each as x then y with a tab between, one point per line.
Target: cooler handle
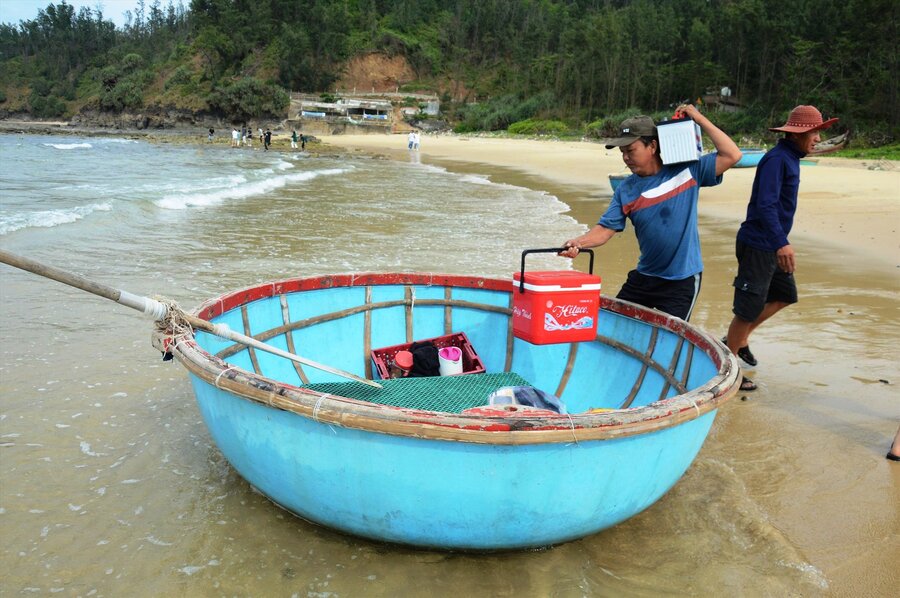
550	250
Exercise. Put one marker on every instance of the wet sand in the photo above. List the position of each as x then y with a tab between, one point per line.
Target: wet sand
801	460
851	204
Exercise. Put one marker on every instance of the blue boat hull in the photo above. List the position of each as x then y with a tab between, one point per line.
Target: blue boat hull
446	494
616	179
456	481
750	158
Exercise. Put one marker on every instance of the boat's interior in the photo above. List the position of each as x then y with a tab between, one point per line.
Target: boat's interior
630	364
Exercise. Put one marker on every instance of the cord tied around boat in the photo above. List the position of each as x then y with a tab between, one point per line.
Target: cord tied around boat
176	322
228	369
150	307
221	330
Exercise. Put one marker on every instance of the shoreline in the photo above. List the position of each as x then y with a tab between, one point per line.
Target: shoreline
850	205
868	230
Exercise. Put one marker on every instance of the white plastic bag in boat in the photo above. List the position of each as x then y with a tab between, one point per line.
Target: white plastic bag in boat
528	396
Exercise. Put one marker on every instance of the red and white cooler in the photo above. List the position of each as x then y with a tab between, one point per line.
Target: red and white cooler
555	306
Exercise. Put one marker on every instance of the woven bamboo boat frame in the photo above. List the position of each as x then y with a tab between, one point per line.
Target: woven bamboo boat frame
518	429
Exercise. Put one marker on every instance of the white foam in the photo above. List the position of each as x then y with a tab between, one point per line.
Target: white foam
181	202
49	218
86	449
477	179
212	184
68	146
812	573
431	168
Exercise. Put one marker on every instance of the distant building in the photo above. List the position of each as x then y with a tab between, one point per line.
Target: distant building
721	98
360	113
345	108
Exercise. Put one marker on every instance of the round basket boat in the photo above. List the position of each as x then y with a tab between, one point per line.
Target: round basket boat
428	461
616	179
750	157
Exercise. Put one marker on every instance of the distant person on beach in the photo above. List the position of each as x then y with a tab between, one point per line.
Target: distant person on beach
243	135
765	284
661	202
267	139
234	137
303	139
293	139
213	132
410	140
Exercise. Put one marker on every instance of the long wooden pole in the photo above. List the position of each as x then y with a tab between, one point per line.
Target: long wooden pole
158	310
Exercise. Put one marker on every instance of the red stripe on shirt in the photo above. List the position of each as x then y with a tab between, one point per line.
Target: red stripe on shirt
646	202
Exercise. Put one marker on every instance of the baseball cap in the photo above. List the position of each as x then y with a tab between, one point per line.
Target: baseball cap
631	130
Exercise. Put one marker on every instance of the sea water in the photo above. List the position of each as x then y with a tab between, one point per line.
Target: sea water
267	214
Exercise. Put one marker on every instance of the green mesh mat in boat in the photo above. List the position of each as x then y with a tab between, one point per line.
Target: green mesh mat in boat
449	394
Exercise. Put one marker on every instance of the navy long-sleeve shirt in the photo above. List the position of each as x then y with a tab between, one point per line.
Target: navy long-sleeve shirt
773	201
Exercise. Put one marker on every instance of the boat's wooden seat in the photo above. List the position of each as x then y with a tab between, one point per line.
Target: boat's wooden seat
448	394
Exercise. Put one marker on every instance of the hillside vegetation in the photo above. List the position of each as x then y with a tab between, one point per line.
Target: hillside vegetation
578	65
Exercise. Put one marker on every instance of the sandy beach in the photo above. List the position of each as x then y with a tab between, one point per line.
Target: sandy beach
851	204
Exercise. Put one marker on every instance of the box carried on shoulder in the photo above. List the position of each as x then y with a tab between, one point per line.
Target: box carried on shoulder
679	141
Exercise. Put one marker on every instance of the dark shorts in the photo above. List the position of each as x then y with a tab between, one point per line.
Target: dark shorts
675	297
759	281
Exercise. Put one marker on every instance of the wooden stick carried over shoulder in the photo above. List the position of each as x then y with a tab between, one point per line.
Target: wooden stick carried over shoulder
159	311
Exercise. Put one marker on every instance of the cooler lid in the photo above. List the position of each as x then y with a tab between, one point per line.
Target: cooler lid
562	280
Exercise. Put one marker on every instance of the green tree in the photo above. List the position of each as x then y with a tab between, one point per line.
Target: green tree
248	98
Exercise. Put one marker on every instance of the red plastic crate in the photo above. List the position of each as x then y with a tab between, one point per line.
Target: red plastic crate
383	358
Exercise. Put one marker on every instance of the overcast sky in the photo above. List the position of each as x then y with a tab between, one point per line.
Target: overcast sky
13	11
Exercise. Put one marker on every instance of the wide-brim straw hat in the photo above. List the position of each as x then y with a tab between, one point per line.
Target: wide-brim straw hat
803	119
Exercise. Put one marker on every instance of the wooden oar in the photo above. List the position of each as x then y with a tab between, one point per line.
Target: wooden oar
159	311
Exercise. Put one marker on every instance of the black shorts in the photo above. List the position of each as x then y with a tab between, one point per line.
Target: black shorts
759	281
675	297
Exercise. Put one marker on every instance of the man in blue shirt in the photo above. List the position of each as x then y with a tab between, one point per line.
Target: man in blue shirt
661	202
765	280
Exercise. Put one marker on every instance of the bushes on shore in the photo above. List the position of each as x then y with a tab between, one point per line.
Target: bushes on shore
499	113
533	126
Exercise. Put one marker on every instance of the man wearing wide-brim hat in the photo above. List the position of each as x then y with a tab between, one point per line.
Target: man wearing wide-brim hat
661	202
765	280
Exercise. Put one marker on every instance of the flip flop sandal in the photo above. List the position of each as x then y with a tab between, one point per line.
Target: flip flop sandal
892	457
747	385
744	353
